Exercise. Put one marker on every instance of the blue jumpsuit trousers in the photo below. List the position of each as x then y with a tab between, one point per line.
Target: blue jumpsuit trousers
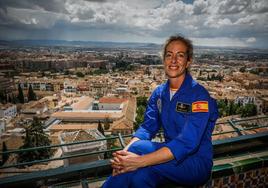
191	171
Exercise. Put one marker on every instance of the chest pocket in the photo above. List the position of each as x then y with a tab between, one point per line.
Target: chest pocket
183	107
182	112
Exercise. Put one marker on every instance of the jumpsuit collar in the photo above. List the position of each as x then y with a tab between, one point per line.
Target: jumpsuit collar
186	84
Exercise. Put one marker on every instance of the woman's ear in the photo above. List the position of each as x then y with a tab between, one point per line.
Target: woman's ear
188	63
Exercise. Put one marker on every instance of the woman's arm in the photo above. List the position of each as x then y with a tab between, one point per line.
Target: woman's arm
128	161
134	139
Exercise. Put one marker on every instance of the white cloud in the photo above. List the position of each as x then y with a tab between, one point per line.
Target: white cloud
232	6
220	42
259	6
35	18
215	22
249	19
251	40
200	6
237	20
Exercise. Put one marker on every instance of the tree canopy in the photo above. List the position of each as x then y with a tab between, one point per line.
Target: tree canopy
35	137
20	95
31	94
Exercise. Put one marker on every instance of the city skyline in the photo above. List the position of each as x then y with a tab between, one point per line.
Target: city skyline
217	23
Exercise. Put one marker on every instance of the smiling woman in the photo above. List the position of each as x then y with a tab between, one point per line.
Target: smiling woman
187	115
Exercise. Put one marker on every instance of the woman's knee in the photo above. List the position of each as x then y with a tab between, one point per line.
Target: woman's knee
142	178
141	147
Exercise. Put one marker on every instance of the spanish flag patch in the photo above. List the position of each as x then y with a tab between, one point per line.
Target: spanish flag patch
200	106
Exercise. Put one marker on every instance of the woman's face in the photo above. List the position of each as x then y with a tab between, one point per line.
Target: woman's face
176	59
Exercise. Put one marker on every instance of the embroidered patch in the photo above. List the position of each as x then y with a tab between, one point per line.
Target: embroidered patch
159	105
182	107
200	106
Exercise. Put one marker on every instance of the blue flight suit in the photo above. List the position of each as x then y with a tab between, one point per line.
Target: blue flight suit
187	132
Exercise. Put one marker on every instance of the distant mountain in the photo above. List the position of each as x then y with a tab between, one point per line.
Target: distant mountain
93	44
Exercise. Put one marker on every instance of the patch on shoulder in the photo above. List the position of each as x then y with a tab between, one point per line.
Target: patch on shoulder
183	107
200	106
159	105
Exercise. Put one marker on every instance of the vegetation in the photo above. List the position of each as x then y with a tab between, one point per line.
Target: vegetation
213	77
20	95
111	144
249	110
242	69
35	137
106	124
98	72
3	97
141	108
80	74
31	94
100	129
227	108
4	155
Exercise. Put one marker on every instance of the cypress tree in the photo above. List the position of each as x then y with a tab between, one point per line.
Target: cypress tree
31	94
35	137
4	155
20	95
106	123
100	128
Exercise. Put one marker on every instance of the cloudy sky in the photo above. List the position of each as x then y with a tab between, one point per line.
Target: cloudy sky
207	22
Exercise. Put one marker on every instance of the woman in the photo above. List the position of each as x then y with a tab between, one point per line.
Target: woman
187	114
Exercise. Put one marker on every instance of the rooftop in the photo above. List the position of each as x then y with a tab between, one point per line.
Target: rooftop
111	100
85	116
83	103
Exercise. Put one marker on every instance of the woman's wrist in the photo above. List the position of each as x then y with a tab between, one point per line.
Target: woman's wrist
143	161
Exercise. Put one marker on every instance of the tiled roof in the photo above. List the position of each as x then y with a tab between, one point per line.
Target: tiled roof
85	115
79	136
83	103
111	100
73	126
121	125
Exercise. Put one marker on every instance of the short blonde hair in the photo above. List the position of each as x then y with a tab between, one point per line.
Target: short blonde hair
187	42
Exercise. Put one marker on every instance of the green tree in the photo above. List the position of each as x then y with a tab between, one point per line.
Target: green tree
141	108
80	74
31	94
138	120
4	155
142	100
100	128
249	110
242	69
106	124
213	77
222	106
3	97
10	100
231	110
66	72
208	77
20	95
35	137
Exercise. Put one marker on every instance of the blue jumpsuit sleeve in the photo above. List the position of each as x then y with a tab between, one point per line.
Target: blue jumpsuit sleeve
188	141
150	125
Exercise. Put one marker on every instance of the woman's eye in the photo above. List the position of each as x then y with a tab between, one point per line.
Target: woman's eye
168	55
181	55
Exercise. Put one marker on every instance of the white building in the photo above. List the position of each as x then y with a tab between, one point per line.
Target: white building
2	126
245	100
8	110
69	87
109	103
89	147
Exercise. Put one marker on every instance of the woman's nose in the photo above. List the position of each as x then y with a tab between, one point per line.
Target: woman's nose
174	59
